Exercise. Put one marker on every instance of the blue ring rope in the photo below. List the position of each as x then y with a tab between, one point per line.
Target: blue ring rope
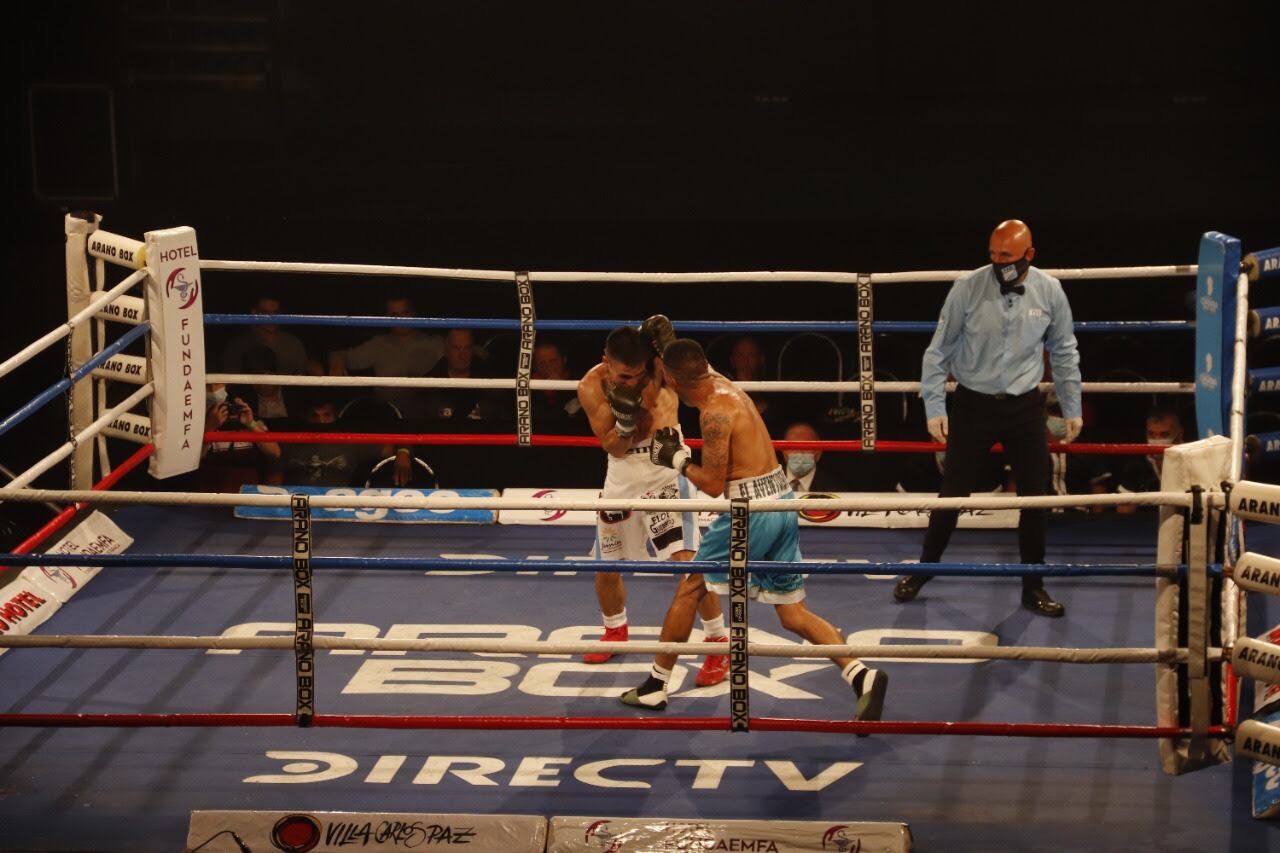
849	326
79	373
260	561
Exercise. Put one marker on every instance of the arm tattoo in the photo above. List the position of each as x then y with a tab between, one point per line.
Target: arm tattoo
716	428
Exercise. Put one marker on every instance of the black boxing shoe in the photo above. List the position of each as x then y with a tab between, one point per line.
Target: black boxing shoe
908	587
870	705
1038	600
652	695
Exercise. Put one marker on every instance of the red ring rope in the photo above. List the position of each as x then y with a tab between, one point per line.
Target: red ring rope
55	524
503	439
774	724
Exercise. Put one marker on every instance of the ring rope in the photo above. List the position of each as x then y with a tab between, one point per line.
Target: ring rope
59	521
487	323
27	477
1238	376
64	330
510	440
888	387
490	723
761	277
1050	654
449	565
57	388
438	502
72	443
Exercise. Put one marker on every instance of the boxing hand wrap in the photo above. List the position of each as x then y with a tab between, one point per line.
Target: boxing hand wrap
624	402
659	331
669	450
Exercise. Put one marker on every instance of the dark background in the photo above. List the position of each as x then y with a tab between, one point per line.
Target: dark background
655	136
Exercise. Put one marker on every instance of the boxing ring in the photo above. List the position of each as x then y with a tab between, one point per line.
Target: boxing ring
420	629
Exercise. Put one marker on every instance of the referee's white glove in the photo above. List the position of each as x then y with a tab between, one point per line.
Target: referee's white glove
938	428
1074	425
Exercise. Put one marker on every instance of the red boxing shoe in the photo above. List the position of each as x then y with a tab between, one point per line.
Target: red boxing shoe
611	635
715	668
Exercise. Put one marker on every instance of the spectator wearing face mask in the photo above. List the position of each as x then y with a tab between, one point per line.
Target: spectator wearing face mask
1142	474
802	468
227	466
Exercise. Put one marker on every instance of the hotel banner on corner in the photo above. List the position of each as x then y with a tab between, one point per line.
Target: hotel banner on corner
176	309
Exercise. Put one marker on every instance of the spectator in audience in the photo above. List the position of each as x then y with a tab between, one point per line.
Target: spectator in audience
1142	473
323	464
269	401
461	404
555	411
802	466
402	351
747	364
226	466
290	355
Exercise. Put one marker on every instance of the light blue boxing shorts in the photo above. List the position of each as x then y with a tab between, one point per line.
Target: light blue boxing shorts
772	536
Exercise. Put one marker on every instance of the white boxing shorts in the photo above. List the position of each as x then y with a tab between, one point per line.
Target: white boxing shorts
642	535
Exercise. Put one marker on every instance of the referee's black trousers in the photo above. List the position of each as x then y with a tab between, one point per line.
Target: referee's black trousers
978	421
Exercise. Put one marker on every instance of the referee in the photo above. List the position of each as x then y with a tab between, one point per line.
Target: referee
995	327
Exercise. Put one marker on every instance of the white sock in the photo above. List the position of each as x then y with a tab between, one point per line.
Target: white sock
714	628
615	621
851	674
653	693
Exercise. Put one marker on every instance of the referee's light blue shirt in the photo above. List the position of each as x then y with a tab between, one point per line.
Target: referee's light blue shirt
995	344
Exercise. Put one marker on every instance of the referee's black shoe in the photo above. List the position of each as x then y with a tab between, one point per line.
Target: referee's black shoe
908	586
1038	600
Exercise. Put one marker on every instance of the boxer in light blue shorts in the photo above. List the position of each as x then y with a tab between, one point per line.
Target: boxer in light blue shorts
739	462
772	536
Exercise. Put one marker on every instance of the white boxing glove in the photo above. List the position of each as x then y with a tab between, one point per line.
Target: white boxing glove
1074	425
938	428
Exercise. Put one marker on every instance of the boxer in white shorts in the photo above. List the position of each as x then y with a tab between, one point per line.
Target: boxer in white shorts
626	398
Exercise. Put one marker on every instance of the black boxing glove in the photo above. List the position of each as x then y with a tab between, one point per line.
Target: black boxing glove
659	331
625	403
668	449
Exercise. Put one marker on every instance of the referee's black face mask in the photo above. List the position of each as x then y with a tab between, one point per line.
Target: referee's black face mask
1008	274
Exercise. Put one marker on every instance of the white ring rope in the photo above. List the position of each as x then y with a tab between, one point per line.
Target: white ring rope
411	499
29	476
547	647
572	384
1233	597
87	313
759	277
1238	376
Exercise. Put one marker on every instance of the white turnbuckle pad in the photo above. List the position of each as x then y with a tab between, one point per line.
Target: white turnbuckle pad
1259	741
1257	660
1256	573
1256	501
